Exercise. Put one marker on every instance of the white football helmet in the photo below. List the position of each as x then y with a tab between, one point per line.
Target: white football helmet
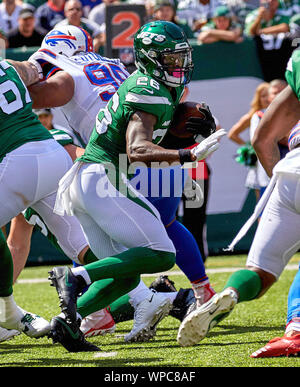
68	41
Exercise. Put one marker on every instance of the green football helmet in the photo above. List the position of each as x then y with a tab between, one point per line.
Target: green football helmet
162	51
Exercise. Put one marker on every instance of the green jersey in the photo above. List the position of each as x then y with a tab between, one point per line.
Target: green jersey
292	73
18	124
139	92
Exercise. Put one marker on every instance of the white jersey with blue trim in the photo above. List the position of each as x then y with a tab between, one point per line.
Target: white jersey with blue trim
96	79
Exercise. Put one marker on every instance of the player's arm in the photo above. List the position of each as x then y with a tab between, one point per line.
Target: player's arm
140	147
280	117
19	241
27	71
139	141
54	91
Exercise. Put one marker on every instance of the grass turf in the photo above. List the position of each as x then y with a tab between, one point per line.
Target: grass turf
246	329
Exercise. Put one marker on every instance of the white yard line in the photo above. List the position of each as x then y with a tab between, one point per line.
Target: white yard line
169	273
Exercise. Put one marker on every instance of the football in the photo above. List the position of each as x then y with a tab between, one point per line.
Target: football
184	111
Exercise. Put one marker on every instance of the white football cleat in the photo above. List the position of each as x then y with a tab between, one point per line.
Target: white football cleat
197	324
8	334
98	323
147	315
33	325
14	317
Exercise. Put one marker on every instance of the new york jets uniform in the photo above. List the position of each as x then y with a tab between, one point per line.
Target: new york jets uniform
125	229
31	161
95	196
161	186
139	92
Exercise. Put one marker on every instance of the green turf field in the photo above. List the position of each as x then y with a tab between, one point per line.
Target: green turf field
248	328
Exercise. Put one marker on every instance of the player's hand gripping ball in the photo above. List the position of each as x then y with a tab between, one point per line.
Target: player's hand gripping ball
192	119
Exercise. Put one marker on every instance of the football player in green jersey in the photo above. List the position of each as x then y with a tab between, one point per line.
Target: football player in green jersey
28	153
277	236
122	227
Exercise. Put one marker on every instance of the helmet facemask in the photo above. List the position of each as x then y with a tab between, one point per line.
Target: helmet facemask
172	67
163	52
177	67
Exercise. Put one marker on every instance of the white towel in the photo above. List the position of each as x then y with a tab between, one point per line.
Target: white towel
63	202
290	164
257	211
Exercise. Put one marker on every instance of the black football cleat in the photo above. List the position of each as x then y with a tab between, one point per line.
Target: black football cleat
185	301
70	336
163	284
184	304
68	287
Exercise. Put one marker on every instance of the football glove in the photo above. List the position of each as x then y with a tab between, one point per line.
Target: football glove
203	126
209	145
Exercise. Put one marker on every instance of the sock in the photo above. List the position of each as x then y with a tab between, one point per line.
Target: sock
138	294
10	313
188	256
102	293
6	268
246	282
131	263
293	307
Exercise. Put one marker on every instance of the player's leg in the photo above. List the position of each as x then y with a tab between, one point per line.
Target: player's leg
12	317
9	313
276	241
19	241
128	221
189	260
66	229
22	172
188	256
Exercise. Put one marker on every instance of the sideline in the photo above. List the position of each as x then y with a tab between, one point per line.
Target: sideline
169	273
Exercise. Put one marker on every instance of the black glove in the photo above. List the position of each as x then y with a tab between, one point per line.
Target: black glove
203	126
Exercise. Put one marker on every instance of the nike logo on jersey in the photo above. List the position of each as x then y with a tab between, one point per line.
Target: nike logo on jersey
149	91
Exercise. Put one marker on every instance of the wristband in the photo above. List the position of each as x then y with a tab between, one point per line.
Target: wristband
184	156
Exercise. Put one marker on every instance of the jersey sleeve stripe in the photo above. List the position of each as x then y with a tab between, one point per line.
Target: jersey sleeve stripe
147	99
